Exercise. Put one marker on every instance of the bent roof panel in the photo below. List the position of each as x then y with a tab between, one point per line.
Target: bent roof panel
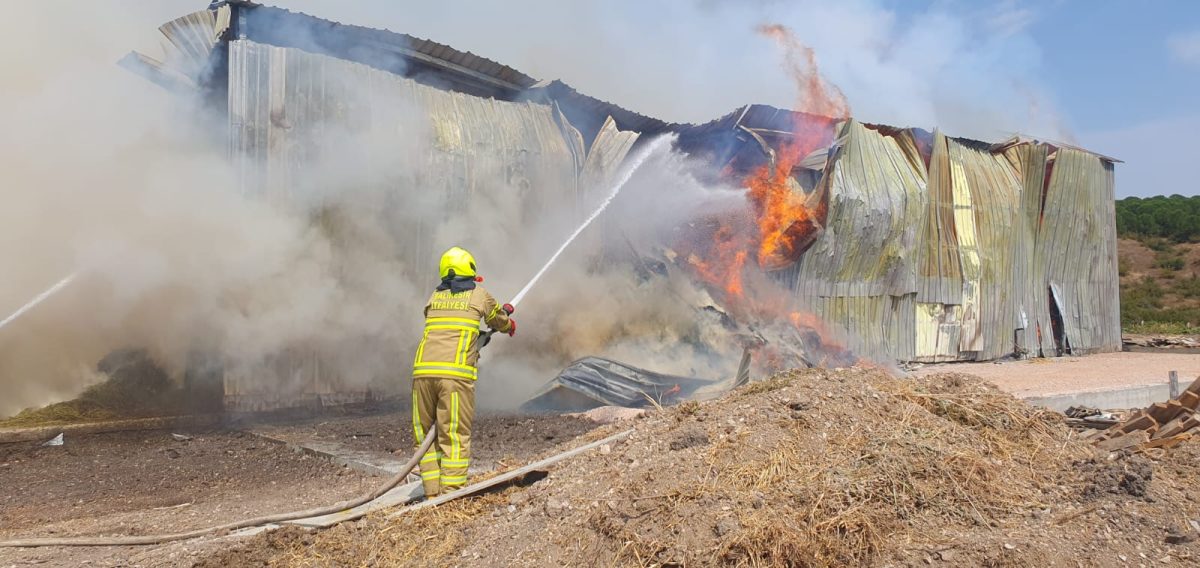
281	27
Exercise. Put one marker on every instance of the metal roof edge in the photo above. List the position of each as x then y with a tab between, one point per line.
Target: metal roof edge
559	91
1020	138
419	49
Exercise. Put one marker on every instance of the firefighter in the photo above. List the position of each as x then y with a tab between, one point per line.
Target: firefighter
444	369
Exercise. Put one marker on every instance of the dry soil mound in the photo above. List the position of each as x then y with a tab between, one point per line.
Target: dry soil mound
813	468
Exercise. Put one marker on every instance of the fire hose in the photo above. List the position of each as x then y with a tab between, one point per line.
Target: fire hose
485	338
277	518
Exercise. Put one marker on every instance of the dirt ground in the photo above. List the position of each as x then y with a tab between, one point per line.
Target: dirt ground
496	438
814	468
809	468
1103	371
149	482
1139	261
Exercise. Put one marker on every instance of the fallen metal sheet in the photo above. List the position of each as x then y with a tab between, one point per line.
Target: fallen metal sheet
592	382
370	462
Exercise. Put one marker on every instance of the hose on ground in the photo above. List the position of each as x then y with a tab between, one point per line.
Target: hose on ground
277	518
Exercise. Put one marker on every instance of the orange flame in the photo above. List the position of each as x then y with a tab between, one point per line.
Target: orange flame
816	95
782	222
726	262
786	224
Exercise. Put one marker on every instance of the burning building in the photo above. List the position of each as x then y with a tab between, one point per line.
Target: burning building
909	245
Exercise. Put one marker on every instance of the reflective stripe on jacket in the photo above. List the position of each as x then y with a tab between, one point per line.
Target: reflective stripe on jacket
449	346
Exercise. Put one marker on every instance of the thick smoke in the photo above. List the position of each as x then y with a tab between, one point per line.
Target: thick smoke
130	186
972	69
600	299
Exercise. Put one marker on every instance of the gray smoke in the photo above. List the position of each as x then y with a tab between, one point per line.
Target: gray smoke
971	69
111	176
131	186
118	179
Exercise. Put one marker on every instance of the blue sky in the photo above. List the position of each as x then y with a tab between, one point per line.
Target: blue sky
1126	77
1117	65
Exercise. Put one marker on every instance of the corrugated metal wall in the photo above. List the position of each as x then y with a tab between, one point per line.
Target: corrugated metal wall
960	260
860	272
957	259
1078	239
289	110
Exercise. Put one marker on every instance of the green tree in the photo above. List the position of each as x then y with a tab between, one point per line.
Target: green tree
1176	218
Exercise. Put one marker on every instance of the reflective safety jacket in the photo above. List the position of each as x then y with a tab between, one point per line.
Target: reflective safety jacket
449	347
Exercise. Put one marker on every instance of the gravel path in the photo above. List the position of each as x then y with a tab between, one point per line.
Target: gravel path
1105	371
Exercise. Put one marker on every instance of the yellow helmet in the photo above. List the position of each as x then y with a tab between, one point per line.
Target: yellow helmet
458	261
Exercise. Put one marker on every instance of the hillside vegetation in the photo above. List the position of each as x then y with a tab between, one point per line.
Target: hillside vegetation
1159	263
1175	218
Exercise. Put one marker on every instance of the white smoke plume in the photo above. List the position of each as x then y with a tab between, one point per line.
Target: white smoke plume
972	69
111	176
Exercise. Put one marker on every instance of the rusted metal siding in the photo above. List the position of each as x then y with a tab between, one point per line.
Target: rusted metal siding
989	312
866	247
289	109
939	270
960	260
1029	278
857	272
604	158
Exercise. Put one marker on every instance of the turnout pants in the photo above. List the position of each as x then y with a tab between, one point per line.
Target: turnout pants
450	404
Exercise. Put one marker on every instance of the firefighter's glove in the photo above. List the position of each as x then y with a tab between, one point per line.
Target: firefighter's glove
512	327
508	309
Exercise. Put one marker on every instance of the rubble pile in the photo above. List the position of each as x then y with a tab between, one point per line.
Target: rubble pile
1163	425
1161	341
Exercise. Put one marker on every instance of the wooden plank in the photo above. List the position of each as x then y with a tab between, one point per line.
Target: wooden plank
1173	380
1190	400
1178	426
1163	412
1172	411
1169	428
1142	422
1123	442
509	476
1166	443
1194	387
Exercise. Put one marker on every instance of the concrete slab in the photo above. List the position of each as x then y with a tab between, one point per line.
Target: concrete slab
1113	399
363	461
1068	375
